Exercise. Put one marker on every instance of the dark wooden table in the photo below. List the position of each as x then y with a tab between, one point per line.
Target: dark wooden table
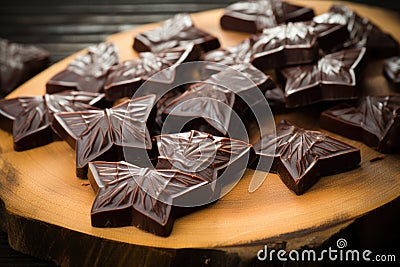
65	27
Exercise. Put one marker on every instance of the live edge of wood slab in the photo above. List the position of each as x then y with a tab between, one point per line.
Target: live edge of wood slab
46	210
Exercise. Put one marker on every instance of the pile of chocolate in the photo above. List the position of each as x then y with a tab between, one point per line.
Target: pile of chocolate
146	174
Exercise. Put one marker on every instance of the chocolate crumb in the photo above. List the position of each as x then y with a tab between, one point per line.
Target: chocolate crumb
378	158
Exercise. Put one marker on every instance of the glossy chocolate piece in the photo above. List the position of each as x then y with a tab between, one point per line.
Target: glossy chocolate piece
160	108
391	69
374	121
277	47
230	78
254	16
363	33
200	153
284	45
86	72
18	63
301	157
276	100
125	78
219	160
334	77
211	103
129	195
178	31
111	134
207	108
242	53
330	29
30	118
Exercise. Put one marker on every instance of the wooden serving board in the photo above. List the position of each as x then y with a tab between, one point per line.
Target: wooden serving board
45	208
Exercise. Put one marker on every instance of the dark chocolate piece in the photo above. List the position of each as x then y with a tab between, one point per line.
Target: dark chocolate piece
200	107
125	78
161	105
18	63
391	69
377	158
301	157
276	100
200	153
363	33
30	118
142	197
86	72
111	134
330	29
374	121
284	45
210	103
178	31
219	160
231	78
277	47
242	53
254	16
334	77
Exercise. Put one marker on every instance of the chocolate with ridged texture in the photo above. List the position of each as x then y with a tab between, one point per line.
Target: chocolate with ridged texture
29	118
364	33
204	108
301	157
375	121
87	72
208	106
218	160
330	29
284	45
145	198
254	16
112	134
277	47
333	77
178	31
241	53
18	63
125	78
160	107
391	69
194	152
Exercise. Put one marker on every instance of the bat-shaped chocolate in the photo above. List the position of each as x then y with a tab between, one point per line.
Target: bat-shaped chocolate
111	134
30	117
301	157
129	195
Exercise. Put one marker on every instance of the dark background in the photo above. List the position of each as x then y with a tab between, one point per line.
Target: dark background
66	26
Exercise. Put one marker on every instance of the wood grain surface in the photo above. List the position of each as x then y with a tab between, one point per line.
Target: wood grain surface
46	210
